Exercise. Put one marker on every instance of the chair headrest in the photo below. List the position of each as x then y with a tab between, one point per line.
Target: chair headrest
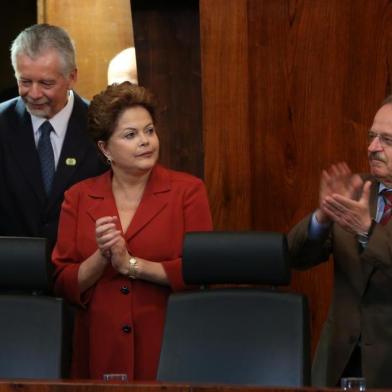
24	264
236	257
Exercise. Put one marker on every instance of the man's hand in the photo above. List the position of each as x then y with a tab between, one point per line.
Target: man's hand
352	215
339	180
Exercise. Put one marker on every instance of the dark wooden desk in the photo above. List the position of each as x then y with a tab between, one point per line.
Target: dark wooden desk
89	386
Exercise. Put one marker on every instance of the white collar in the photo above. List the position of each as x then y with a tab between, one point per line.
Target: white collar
382	187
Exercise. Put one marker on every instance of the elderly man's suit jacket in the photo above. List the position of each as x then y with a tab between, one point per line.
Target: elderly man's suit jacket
24	208
361	308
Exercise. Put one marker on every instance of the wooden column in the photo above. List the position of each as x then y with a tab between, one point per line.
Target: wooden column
168	60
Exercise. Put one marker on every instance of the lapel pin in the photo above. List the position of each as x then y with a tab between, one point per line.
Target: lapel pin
70	161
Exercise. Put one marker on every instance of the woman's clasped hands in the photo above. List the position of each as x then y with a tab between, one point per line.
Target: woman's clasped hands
111	243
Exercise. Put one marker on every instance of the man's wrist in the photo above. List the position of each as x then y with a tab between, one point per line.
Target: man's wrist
364	236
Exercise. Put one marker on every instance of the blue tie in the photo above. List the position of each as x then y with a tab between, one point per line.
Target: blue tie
46	156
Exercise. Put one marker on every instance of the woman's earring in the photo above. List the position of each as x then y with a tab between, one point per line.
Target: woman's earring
109	161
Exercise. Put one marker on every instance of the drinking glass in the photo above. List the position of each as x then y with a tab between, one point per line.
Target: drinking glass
351	383
115	377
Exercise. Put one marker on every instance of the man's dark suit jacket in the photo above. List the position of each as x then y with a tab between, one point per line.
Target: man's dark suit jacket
24	208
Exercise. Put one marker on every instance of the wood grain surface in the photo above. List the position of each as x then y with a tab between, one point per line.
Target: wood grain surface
289	87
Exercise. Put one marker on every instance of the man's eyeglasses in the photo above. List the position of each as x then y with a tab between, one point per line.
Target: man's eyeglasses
385	140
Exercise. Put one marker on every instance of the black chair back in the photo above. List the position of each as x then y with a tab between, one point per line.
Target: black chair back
236	335
35	327
236	257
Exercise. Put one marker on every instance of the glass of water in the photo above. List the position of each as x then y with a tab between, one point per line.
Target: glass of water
351	383
115	377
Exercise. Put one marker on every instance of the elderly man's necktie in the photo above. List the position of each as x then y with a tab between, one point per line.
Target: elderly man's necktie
387	213
46	155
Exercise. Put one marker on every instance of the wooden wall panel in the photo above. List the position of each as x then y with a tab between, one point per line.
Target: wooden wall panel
225	86
289	87
167	42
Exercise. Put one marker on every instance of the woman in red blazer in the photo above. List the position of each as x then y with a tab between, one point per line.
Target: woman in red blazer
118	253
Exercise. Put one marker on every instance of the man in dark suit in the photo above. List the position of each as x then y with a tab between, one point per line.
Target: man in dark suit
35	170
353	225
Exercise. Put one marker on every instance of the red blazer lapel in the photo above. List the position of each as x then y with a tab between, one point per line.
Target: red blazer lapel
101	198
154	200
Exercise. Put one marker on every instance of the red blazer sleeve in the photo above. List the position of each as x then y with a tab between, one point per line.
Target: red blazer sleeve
197	217
65	256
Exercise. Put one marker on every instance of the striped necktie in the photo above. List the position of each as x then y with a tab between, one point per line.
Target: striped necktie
46	156
387	213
